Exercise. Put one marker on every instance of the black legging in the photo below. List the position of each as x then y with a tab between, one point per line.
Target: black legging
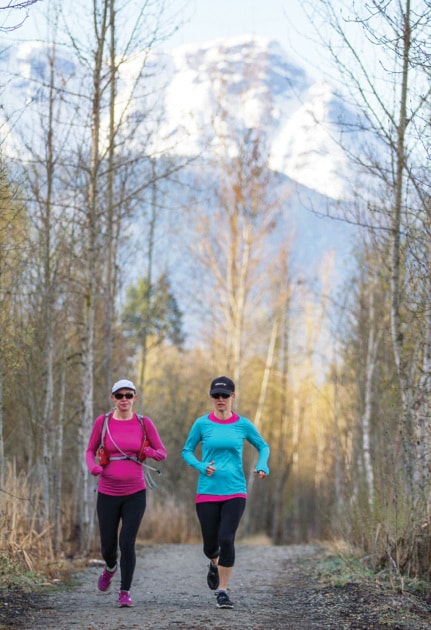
129	510
219	521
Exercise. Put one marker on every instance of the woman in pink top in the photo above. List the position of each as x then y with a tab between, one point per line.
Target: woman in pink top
127	440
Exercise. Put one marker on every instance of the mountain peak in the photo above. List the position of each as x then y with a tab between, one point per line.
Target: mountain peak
250	81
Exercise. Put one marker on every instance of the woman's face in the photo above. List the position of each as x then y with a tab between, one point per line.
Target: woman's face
124	399
222	402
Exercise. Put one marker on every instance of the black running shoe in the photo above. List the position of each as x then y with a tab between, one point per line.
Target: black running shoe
212	577
223	600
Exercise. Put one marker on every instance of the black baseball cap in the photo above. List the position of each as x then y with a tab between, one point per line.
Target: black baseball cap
222	385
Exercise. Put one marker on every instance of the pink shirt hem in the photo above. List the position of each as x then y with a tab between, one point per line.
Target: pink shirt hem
212	498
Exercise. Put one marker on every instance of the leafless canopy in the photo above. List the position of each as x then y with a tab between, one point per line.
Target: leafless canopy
12	5
17	5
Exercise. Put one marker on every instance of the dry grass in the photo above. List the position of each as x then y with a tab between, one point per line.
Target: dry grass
258	539
166	521
26	549
25	542
17	512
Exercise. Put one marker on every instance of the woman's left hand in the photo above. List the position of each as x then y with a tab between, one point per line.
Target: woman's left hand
261	474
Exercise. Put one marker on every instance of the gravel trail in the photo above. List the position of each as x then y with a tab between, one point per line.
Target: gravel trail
273	588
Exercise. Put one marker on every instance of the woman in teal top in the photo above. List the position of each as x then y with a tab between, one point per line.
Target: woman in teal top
221	489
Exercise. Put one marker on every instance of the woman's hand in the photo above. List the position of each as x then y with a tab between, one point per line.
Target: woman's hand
261	474
210	469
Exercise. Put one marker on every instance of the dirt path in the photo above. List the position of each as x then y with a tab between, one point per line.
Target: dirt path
273	588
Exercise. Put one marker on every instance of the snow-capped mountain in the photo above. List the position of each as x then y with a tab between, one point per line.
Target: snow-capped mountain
251	80
201	94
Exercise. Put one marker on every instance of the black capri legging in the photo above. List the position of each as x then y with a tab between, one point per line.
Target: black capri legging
219	521
128	509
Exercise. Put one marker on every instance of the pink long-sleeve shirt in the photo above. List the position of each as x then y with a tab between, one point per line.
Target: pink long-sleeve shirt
122	477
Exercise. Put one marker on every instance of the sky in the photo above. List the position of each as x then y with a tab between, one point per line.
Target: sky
209	19
203	20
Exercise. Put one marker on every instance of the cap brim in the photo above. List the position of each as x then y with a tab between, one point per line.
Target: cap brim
220	391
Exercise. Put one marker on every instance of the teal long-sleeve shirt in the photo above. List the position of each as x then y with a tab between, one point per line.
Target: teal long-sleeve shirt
222	443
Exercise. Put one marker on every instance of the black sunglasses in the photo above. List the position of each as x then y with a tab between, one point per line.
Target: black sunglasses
220	396
119	396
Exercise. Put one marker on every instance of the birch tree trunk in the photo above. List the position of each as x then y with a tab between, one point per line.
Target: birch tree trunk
261	405
374	336
48	471
58	506
110	241
90	297
2	454
146	327
403	370
423	409
283	456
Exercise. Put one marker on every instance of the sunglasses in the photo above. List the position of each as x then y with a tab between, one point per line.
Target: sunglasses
215	396
119	396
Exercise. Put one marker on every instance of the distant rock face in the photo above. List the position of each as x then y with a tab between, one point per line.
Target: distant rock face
202	92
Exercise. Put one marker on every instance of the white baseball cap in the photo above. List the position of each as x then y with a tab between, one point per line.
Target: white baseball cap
123	384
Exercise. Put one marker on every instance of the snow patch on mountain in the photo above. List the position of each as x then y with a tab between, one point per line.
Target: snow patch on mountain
195	98
307	147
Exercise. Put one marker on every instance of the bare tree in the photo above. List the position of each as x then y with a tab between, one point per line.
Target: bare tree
12	237
232	239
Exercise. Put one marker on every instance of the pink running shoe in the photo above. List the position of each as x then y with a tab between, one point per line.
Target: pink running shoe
104	581
124	599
